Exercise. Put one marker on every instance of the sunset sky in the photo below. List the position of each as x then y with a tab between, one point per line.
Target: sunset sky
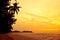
38	15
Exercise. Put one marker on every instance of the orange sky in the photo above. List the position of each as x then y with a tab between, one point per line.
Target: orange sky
38	15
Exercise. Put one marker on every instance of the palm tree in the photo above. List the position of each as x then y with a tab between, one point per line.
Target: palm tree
7	15
14	8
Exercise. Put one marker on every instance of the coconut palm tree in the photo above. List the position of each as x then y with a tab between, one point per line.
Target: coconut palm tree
7	15
14	8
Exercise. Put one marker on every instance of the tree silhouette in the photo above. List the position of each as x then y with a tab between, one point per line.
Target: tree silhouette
7	15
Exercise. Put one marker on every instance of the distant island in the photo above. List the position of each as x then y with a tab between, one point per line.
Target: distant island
23	31
27	31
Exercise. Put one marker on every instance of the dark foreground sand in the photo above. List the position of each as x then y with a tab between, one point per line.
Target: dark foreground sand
28	36
5	37
14	37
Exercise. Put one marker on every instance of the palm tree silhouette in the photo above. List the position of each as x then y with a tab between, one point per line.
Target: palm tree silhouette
7	15
14	8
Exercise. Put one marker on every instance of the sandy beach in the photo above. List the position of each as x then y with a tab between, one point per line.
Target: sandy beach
29	36
14	37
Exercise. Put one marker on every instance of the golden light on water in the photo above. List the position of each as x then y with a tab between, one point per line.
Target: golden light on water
38	15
